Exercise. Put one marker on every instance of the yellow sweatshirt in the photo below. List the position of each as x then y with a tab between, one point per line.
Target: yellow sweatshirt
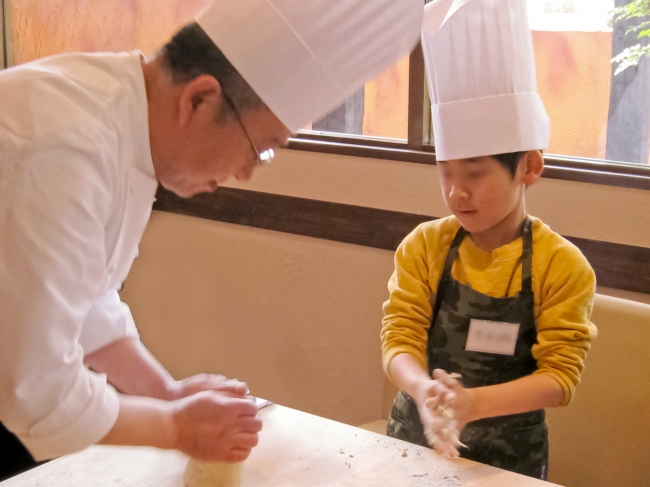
563	282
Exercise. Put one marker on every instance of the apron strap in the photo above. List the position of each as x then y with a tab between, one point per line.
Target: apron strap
526	269
527	258
445	277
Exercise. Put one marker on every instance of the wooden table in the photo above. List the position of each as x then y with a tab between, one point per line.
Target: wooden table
296	450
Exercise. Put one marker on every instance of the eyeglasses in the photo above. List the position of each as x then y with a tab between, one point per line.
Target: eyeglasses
262	158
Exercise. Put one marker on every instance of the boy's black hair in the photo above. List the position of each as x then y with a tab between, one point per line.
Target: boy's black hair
191	53
510	160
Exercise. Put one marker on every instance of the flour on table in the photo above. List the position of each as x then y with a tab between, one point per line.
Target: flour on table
452	480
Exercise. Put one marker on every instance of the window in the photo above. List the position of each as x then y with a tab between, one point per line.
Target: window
390	112
379	109
594	113
601	121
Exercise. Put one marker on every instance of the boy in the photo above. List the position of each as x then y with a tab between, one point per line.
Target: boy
489	293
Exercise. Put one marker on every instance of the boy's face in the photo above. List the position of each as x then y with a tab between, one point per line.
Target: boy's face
481	192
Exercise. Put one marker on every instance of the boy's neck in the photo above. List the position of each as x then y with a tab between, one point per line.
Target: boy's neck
507	230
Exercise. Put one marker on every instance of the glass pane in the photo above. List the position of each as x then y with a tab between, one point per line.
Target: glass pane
379	109
594	113
45	27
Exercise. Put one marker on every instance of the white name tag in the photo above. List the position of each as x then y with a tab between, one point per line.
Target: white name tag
492	337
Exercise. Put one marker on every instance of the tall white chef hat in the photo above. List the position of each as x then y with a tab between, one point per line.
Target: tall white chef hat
481	68
303	58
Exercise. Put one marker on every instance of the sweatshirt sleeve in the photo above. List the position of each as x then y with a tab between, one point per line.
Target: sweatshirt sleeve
564	329
407	313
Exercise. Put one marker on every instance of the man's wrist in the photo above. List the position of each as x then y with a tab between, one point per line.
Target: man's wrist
170	425
145	421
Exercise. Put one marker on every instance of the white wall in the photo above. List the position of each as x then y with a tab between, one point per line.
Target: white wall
296	317
598	212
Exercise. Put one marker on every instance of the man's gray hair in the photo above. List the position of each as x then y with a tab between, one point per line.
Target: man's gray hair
191	53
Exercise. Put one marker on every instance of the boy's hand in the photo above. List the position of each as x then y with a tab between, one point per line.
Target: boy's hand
431	390
456	398
207	382
445	407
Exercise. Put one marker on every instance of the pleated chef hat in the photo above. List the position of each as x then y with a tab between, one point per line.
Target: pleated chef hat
481	69
303	58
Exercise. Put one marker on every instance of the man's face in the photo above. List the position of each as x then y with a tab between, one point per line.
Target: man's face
211	149
480	191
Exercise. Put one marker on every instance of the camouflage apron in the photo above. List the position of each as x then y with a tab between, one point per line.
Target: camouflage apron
518	442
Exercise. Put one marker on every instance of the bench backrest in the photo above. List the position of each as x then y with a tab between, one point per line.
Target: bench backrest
602	439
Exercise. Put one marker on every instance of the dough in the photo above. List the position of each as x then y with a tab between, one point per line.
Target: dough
213	474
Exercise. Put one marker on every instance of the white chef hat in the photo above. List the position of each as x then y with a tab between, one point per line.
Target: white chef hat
481	69
303	58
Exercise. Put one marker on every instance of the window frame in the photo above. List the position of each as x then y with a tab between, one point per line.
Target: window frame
7	57
418	147
3	56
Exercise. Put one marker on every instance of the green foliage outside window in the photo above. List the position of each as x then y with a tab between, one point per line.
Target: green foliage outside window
636	9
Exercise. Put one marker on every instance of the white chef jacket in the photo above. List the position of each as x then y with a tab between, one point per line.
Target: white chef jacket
76	188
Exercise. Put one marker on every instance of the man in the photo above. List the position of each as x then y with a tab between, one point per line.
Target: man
85	139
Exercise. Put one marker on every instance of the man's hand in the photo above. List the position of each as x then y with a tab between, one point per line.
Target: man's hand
211	426
206	382
207	425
